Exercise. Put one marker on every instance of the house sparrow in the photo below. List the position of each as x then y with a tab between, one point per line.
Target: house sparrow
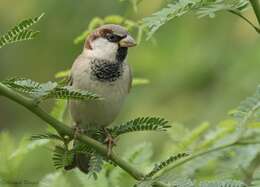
102	69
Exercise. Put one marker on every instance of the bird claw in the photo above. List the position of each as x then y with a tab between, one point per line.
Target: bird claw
109	141
78	131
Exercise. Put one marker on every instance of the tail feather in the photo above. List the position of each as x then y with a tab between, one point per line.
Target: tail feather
82	162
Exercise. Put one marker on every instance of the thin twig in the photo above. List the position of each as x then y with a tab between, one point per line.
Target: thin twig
245	19
203	153
256	6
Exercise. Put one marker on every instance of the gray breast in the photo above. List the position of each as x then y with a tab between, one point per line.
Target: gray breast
106	71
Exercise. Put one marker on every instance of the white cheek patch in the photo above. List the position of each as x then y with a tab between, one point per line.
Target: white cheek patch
102	48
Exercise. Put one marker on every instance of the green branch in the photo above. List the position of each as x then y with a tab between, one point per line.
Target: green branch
256	6
62	129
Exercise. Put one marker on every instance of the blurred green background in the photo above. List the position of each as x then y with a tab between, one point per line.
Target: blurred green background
199	69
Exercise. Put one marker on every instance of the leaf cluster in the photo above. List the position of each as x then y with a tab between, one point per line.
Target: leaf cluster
201	7
20	32
48	90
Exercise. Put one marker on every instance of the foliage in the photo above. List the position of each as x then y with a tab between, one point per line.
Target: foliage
201	139
45	136
246	109
20	32
61	157
141	124
48	90
163	164
209	147
181	7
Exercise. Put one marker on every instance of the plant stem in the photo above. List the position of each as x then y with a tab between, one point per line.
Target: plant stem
202	153
256	6
62	129
246	20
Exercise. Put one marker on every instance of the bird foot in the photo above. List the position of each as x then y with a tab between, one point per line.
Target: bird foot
109	141
78	131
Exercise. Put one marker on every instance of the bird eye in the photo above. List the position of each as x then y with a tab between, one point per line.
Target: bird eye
112	37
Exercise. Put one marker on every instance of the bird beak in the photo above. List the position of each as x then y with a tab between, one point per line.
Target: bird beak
128	41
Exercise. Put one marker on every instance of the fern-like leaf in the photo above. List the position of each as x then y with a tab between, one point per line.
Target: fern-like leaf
166	14
68	92
31	87
82	148
222	183
141	124
246	110
95	159
46	136
181	7
210	8
22	36
20	32
164	164
48	90
62	157
22	84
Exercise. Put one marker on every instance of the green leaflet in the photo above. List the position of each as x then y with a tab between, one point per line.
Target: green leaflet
173	10
141	124
164	164
48	136
20	32
62	157
68	92
210	8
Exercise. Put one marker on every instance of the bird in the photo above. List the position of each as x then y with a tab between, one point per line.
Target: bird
101	68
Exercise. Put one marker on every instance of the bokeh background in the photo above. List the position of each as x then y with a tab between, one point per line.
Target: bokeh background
199	69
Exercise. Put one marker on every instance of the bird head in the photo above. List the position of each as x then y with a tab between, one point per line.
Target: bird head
109	42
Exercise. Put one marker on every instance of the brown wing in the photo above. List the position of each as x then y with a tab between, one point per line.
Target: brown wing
70	81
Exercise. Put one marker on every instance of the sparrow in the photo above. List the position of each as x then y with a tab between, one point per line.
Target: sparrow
101	68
